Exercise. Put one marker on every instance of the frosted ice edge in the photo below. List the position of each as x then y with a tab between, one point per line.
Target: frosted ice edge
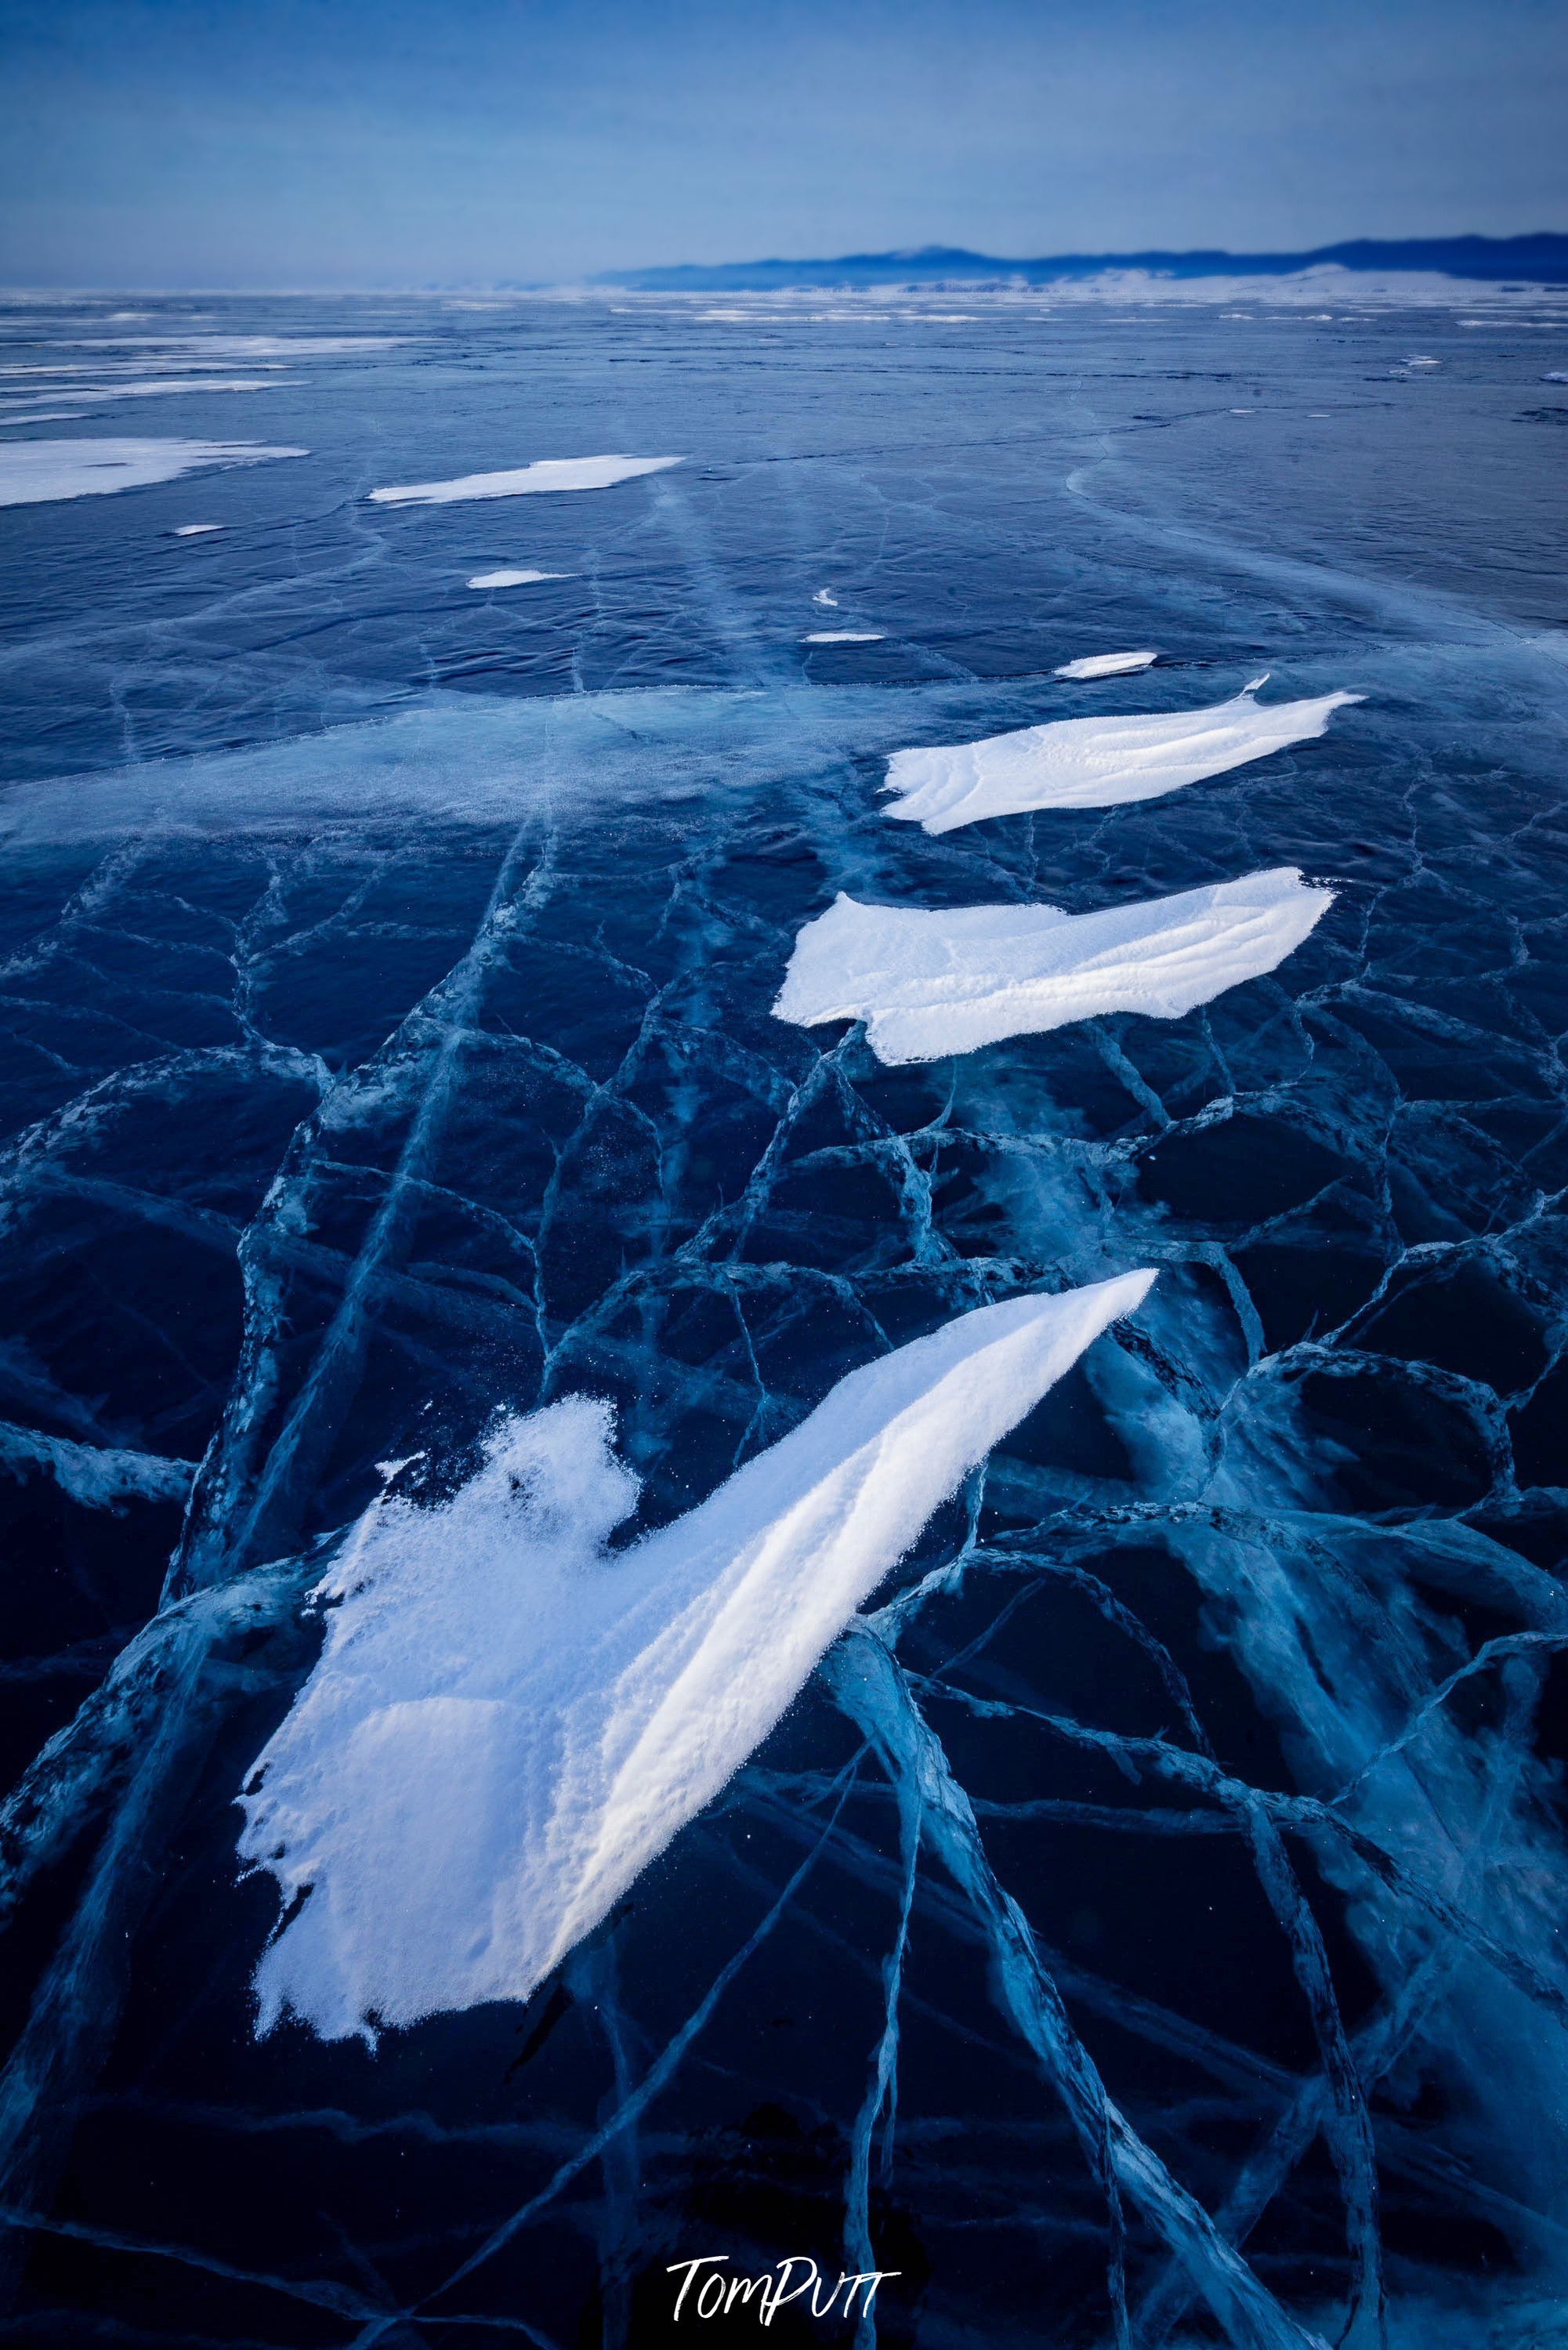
506	1725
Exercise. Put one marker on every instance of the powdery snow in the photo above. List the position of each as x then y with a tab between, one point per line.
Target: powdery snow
507	1724
1107	665
930	984
1087	763
34	470
513	578
526	481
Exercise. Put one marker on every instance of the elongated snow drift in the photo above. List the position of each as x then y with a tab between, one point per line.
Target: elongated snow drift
506	1725
1092	665
546	474
929	983
32	472
1088	762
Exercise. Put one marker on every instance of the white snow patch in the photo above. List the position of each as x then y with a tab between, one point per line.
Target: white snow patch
847	637
1106	664
507	1724
525	481
513	578
1083	763
32	470
930	984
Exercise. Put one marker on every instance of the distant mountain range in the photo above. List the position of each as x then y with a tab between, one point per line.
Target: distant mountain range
1532	260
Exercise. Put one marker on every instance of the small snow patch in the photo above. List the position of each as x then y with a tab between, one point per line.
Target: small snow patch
1107	665
513	578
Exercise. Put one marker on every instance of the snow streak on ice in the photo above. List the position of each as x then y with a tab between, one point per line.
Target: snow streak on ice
929	983
513	578
525	481
1083	763
1107	665
507	1725
34	470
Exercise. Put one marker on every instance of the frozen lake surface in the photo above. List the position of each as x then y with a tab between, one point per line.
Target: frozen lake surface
1147	1912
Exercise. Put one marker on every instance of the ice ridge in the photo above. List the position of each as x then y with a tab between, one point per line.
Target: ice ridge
927	983
507	1724
103	1477
1085	763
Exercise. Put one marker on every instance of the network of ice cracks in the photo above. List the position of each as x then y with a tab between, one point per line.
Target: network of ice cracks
582	1158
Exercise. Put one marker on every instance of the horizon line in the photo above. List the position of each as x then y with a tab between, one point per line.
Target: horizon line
624	277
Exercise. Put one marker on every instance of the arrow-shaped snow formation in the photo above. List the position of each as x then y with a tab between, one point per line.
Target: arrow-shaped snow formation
1091	762
544	476
927	983
507	1723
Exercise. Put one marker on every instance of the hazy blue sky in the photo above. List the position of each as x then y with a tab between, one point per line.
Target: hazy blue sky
310	142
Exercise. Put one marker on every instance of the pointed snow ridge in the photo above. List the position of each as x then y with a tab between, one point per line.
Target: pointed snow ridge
929	983
1087	763
544	476
507	1724
1092	665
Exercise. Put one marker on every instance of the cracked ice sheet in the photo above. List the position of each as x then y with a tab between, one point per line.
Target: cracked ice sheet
546	474
507	1725
1088	762
34	471
928	982
1411	1061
